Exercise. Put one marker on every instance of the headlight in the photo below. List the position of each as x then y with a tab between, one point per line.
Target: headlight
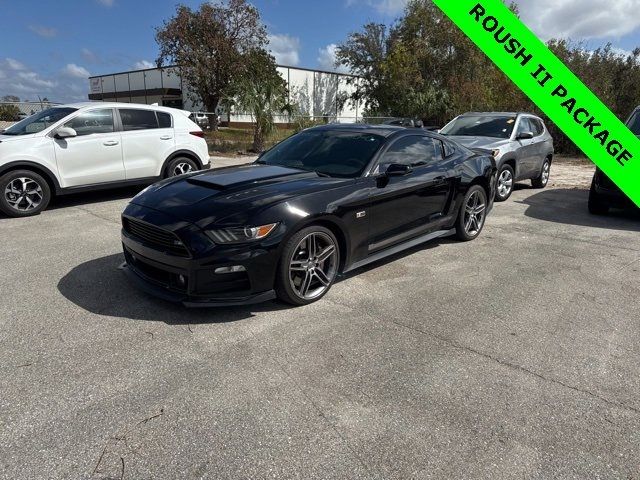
241	234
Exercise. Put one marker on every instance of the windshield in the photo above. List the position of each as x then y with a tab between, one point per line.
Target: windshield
38	122
481	126
333	153
634	122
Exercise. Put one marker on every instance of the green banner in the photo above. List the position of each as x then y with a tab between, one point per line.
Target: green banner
552	87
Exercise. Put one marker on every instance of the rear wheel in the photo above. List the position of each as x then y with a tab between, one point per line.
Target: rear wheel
23	193
542	180
472	215
506	179
596	205
180	166
308	266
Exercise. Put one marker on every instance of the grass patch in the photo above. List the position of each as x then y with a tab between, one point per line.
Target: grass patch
240	140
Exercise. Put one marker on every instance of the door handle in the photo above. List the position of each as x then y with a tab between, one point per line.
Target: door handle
111	143
166	137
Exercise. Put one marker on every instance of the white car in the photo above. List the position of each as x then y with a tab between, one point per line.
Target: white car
87	146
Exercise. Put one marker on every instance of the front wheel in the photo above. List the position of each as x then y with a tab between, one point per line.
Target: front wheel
24	193
506	179
472	215
308	266
596	205
542	180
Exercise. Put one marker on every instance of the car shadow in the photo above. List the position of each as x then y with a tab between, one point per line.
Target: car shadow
569	206
100	287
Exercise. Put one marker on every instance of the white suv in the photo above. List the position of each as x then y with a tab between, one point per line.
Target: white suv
87	146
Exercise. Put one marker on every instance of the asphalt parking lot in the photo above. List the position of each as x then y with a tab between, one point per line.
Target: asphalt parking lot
513	356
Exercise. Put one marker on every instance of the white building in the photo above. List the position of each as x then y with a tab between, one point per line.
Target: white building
318	94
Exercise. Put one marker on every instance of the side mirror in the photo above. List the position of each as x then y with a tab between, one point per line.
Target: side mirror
397	170
418	124
65	132
525	136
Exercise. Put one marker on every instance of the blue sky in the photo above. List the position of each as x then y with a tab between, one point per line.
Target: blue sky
49	48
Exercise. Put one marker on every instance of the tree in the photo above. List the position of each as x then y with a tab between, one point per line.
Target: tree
9	113
10	98
261	92
209	46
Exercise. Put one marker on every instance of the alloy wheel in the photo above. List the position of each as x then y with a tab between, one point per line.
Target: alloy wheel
313	266
505	183
474	214
23	194
182	168
546	172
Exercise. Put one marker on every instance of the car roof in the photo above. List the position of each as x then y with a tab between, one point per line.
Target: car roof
498	114
382	130
85	105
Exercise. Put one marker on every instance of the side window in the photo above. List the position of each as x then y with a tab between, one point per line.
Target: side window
138	119
164	119
447	149
93	121
538	127
525	126
413	151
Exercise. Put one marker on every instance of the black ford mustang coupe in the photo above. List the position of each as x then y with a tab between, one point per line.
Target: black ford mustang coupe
326	200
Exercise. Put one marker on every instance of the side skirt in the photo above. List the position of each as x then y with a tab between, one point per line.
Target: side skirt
107	185
399	248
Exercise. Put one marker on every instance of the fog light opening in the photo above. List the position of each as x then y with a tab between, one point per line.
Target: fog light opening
233	269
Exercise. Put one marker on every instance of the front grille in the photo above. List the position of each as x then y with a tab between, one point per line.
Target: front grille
155	237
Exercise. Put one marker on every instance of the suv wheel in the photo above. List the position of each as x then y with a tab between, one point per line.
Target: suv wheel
506	179
180	166
596	205
23	193
472	215
542	180
308	266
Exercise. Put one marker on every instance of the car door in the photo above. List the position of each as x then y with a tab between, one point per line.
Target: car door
527	149
94	155
402	207
147	141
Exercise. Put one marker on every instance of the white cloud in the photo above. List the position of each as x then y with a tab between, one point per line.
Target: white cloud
89	56
383	7
76	71
106	3
581	19
285	49
327	59
46	32
143	64
14	64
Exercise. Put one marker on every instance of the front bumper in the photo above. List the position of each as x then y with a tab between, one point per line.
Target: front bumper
192	279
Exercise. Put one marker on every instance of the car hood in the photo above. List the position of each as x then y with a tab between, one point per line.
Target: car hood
487	143
230	195
15	138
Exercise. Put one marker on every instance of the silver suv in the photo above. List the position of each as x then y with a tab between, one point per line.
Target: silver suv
520	142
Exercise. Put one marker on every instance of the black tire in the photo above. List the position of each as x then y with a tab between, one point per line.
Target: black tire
463	232
285	285
596	205
23	193
542	180
180	166
504	195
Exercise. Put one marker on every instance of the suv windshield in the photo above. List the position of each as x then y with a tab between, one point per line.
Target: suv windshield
38	122
334	153
634	122
481	126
